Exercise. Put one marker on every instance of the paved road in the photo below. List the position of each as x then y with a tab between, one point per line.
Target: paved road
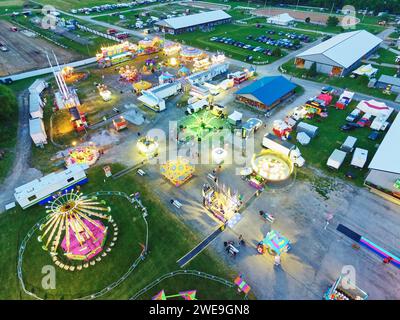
21	171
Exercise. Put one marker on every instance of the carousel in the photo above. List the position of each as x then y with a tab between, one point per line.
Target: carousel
177	171
272	166
190	54
75	226
172	48
147	146
82	155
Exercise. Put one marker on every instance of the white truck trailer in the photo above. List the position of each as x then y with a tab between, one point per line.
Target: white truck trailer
359	158
272	142
336	159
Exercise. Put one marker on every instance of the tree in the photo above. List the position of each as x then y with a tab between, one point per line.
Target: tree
308	20
332	21
277	52
312	72
8	103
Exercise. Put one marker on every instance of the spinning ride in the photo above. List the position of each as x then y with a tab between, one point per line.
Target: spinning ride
177	171
82	155
76	224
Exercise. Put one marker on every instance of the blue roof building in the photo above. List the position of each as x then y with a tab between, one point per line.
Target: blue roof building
267	92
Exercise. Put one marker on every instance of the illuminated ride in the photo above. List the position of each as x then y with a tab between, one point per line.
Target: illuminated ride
272	166
186	295
177	171
129	74
76	224
190	54
221	201
147	146
82	155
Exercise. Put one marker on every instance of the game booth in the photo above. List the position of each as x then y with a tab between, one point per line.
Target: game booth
177	171
141	85
104	92
281	129
148	46
274	243
120	123
221	201
344	100
115	54
183	71
344	290
166	77
201	64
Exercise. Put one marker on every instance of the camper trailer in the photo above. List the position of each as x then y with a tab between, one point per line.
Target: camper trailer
41	190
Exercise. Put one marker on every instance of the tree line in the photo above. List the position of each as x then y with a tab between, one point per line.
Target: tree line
389	6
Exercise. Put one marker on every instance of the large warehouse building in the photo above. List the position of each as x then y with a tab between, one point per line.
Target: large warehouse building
266	93
384	176
194	21
341	54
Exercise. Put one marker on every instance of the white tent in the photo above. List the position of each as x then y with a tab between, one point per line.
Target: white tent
303	138
37	131
375	108
366	70
235	117
283	19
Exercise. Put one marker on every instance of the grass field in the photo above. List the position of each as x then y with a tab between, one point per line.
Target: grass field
88	50
386	56
330	137
166	232
358	84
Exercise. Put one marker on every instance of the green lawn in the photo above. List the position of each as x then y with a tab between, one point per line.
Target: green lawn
88	50
386	56
169	239
330	137
327	29
359	84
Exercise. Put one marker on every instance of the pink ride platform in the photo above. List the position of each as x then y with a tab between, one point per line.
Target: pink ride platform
91	245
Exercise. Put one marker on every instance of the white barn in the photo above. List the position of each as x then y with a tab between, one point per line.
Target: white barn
384	175
283	19
341	54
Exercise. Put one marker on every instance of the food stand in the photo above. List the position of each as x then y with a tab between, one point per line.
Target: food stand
342	290
273	243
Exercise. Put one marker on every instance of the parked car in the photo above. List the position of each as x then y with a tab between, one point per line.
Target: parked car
349	126
374	135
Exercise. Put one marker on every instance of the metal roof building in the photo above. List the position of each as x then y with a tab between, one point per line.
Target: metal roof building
385	165
192	22
340	54
267	92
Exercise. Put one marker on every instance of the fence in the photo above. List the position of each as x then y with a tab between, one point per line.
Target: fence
98	33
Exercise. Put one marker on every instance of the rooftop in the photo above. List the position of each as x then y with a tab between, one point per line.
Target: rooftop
343	49
194	19
387	156
268	89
